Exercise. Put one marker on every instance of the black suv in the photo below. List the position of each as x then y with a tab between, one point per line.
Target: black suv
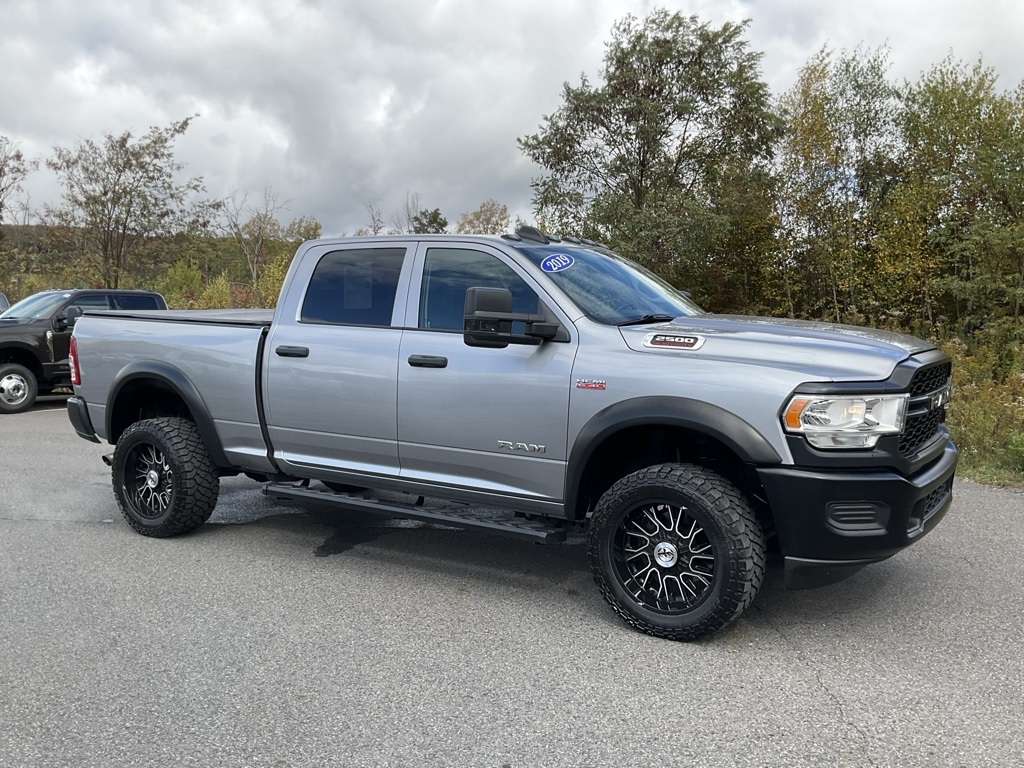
35	336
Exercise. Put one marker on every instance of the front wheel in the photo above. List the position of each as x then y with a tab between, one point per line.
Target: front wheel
164	480
676	550
18	388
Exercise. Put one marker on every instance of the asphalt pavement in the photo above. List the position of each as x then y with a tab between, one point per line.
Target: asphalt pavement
279	637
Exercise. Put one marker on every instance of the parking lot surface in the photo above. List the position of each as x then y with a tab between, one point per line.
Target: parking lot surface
276	636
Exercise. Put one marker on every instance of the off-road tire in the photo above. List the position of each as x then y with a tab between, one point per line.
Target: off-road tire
164	480
18	388
676	512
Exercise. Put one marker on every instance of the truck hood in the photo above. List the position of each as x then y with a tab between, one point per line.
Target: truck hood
822	350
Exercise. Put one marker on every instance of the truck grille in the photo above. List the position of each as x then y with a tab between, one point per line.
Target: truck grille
924	420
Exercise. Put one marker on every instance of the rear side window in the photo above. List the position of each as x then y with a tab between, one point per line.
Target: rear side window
354	287
91	302
136	302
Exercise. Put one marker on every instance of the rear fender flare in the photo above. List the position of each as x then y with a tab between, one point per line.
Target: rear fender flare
176	381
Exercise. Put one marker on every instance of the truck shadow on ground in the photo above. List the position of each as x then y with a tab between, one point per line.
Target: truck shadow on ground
431	550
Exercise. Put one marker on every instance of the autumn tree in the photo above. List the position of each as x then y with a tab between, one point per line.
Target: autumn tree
964	195
642	159
491	218
14	169
120	194
253	227
836	167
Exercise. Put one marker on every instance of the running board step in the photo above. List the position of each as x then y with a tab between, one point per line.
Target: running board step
540	531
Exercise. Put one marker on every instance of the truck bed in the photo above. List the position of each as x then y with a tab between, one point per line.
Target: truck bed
257	318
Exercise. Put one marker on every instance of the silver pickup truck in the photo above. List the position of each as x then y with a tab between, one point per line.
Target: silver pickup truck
546	376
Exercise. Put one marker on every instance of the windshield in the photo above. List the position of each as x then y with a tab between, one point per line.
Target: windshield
610	288
37	306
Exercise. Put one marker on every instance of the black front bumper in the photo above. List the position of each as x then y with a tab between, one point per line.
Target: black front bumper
78	413
831	524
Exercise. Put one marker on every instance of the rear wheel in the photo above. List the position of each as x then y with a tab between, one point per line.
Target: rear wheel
18	388
164	480
676	550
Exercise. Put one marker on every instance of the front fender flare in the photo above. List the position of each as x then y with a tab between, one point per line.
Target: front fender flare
726	427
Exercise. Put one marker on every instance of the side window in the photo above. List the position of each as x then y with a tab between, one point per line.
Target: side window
448	272
355	287
135	301
90	302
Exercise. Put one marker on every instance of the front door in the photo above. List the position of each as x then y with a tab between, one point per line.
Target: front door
482	418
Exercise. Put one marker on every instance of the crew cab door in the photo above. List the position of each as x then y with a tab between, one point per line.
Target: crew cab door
488	419
330	368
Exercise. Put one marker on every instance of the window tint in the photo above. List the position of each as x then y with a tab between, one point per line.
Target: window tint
91	302
136	302
448	272
354	287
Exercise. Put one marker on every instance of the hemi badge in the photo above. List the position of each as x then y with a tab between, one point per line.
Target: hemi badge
589	384
673	341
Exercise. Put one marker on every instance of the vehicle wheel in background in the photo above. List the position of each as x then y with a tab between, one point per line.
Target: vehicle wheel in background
676	550
18	388
164	480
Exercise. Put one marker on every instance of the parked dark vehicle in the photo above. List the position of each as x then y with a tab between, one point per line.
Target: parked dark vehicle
35	335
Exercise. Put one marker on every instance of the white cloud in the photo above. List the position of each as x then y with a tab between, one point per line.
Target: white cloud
336	105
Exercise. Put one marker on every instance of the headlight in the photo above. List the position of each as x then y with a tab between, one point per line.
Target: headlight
854	421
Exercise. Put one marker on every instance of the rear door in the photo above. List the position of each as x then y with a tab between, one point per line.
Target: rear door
481	418
330	372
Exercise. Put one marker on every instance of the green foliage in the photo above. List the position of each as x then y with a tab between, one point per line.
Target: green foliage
986	417
429	223
491	218
656	159
118	195
217	294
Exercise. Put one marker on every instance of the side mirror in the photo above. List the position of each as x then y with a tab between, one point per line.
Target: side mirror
489	321
67	318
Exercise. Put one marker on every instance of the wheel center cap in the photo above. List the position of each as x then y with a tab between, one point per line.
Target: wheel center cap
152	478
665	554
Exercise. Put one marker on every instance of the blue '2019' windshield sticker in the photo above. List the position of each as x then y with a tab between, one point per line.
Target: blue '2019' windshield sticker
556	262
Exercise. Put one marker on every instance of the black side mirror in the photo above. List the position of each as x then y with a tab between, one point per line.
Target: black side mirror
67	318
489	321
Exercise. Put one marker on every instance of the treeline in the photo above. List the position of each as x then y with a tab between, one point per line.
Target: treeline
851	197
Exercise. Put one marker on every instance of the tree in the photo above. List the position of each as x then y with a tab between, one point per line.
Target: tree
252	228
491	218
376	225
14	169
428	223
837	168
640	159
964	154
121	193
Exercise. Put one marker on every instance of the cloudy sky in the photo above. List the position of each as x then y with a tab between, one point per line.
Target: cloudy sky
335	104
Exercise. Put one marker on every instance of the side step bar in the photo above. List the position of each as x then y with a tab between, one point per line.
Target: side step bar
540	531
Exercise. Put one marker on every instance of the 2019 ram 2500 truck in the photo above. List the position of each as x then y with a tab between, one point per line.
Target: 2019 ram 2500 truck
548	376
34	337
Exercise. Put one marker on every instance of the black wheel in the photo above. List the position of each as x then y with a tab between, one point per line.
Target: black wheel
18	388
676	550
164	480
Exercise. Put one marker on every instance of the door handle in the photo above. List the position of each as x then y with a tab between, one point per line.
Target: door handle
428	361
286	351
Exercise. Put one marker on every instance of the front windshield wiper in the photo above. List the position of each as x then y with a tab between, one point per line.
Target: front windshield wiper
660	318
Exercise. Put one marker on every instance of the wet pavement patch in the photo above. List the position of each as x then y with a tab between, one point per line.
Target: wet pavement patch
348	535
